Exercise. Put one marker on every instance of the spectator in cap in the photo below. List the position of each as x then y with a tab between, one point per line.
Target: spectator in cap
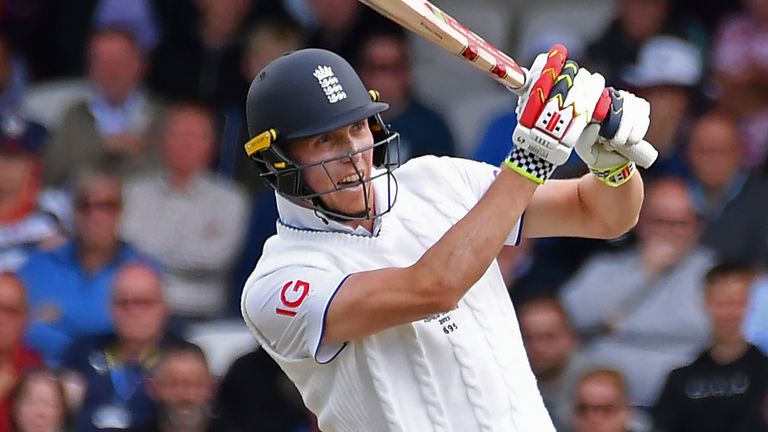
667	73
30	217
638	21
115	124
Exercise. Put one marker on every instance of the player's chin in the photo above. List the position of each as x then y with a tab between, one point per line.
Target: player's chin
349	204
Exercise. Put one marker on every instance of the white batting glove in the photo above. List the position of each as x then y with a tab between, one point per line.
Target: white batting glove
613	147
553	111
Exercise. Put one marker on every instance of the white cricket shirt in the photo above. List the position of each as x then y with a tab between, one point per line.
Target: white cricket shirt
465	370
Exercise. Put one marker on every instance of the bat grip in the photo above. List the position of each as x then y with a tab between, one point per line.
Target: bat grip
642	153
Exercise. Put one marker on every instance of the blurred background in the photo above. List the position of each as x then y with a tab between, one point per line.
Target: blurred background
130	217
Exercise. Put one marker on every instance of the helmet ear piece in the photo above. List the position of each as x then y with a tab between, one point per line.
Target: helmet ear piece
277	169
380	132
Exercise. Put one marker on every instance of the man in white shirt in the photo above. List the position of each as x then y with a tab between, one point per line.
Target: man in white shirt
188	219
380	296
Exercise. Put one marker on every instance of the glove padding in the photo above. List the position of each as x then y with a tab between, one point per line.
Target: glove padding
553	111
608	147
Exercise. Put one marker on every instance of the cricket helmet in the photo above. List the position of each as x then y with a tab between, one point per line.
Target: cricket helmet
306	93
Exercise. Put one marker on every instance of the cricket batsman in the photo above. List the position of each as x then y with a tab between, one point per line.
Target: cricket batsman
380	296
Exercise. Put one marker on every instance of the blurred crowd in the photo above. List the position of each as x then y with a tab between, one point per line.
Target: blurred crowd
130	215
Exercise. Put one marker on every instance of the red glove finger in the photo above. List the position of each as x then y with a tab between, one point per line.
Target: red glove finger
540	91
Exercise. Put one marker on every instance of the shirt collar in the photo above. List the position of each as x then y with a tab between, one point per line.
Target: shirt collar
297	216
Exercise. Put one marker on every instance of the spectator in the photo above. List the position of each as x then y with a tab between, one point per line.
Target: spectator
268	39
341	25
105	373
724	388
30	217
552	348
600	403
147	20
739	66
189	220
255	395
667	73
183	389
733	204
202	62
15	356
39	404
69	287
637	21
115	124
642	309
78	19
384	65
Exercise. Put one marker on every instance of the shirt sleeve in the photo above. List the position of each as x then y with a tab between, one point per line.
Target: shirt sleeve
288	310
478	177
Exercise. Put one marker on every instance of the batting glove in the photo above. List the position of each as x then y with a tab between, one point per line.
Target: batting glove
553	111
613	147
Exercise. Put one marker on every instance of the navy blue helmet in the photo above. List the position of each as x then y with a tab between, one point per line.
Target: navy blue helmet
306	93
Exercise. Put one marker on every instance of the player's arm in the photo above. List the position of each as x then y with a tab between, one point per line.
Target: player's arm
584	207
372	301
606	202
369	302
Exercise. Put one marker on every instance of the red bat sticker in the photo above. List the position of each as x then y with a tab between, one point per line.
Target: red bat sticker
475	43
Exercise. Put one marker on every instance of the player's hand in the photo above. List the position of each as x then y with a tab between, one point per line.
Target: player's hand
552	113
612	147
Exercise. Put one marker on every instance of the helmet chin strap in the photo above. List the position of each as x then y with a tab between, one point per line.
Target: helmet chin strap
324	212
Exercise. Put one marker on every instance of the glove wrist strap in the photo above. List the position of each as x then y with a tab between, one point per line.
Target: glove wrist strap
529	165
615	176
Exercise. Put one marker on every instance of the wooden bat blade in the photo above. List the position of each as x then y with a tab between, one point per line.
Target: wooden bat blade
428	21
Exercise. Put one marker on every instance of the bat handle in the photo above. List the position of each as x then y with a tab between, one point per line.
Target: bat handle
643	153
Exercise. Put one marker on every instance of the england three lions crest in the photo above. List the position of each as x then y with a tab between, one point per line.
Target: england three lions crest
330	84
